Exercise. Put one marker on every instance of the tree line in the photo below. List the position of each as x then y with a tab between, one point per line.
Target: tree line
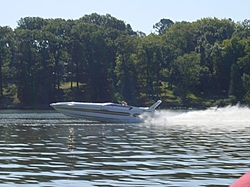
99	58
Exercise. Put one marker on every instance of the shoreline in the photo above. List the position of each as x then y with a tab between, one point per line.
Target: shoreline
163	106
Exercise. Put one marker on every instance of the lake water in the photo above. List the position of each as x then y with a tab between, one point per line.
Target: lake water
179	148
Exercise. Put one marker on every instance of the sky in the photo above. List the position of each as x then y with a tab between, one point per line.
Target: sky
140	14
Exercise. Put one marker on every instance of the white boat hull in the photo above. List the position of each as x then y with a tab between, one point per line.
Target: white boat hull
104	112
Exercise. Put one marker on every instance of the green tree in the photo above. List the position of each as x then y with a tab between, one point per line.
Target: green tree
109	61
242	29
6	40
32	23
232	50
246	88
25	66
107	21
57	42
213	29
150	60
180	38
40	60
44	77
162	25
97	67
126	69
208	35
77	50
186	73
235	88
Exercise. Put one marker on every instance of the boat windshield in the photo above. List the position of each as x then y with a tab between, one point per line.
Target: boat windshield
117	105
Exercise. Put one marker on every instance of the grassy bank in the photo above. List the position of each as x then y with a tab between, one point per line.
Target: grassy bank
10	100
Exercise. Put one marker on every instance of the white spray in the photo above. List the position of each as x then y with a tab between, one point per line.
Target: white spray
226	117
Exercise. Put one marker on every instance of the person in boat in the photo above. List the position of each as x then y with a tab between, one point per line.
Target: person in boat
124	103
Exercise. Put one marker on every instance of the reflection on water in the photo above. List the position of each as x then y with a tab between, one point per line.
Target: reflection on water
179	148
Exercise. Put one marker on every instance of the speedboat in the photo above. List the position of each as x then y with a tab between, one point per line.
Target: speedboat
105	112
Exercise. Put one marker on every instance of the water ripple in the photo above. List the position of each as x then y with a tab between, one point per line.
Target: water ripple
49	149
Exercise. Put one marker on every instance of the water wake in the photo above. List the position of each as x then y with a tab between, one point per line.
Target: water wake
230	116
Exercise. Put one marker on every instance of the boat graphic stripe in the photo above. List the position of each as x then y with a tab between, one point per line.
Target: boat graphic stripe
96	111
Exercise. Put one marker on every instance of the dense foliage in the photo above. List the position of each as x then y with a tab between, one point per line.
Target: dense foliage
101	58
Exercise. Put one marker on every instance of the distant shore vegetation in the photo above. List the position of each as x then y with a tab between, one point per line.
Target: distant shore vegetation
98	58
